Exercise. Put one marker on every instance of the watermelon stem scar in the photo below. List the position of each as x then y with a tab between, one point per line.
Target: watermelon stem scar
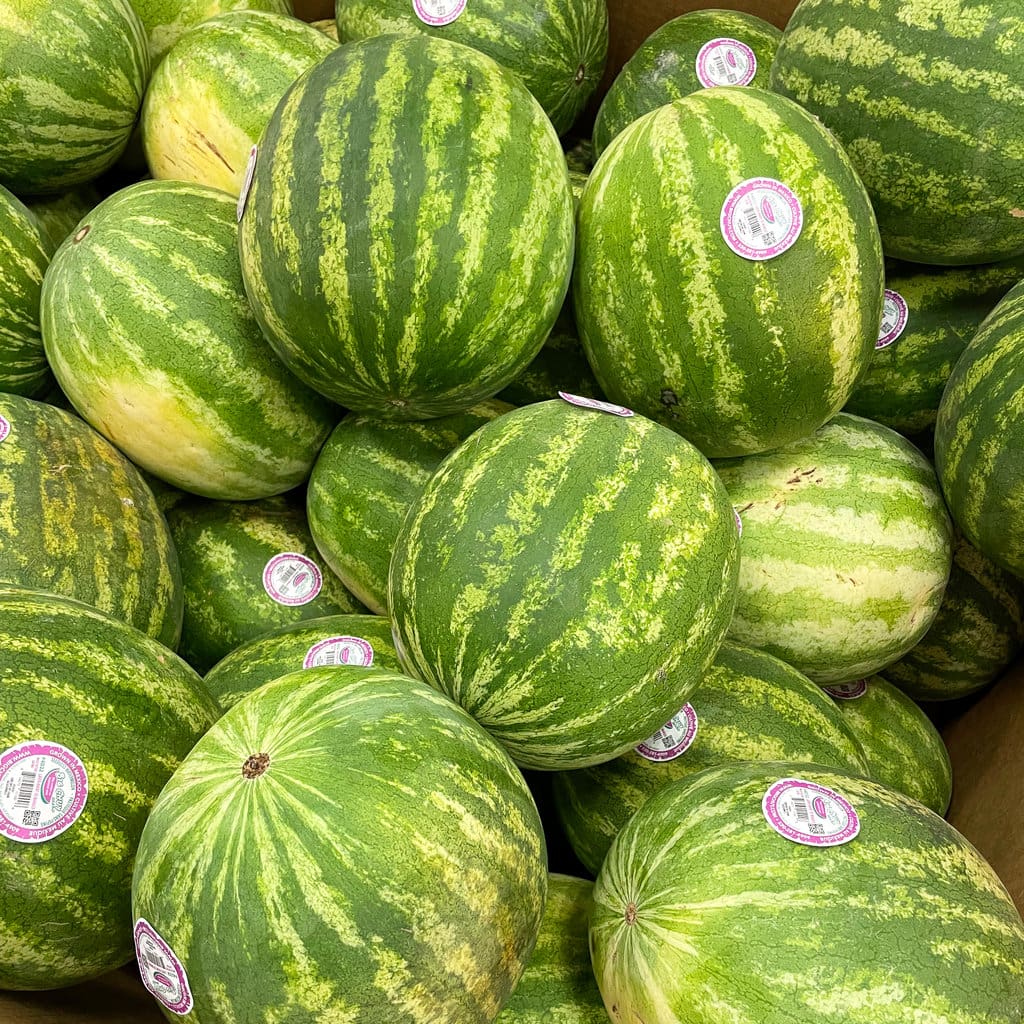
631	913
255	765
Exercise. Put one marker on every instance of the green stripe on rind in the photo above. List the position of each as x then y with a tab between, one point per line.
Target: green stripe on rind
750	707
979	434
408	254
147	328
224	547
567	577
213	94
283	650
846	549
558	986
926	99
58	216
73	76
77	518
130	710
703	914
389	864
665	67
978	632
557	47
366	478
24	257
737	355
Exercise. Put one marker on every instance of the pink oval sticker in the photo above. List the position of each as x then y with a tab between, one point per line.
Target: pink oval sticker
847	691
739	522
895	315
162	972
809	814
43	790
761	219
5	429
593	403
673	739
438	13
725	62
292	579
339	650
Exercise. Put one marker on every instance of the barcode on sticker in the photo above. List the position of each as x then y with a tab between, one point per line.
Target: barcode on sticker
754	221
30	819
803	812
26	789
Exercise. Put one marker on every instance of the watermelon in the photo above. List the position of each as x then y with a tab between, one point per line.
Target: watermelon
748	707
343	845
76	518
59	215
902	748
579	155
247	567
846	549
558	986
179	354
567	575
407	252
366	478
24	257
698	50
925	99
73	73
214	91
704	911
95	718
729	279
557	47
930	316
978	632
328	26
979	433
332	640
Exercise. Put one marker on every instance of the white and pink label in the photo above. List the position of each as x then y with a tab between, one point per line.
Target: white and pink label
739	522
809	814
43	789
5	429
895	314
250	173
847	691
292	579
593	403
162	972
761	219
340	650
725	62
438	13
673	739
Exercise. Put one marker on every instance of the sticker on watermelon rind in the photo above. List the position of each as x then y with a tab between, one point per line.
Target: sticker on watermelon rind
43	790
895	314
292	579
340	650
250	173
673	739
597	406
761	219
739	522
725	61
847	691
438	13
809	814
162	972
5	429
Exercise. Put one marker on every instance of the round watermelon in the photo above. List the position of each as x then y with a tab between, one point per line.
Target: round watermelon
59	215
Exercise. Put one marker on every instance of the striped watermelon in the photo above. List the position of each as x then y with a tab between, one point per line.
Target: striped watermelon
212	95
749	707
179	354
729	279
24	257
978	632
73	74
704	913
698	50
343	845
902	748
566	576
366	478
926	100
331	640
558	986
247	567
58	215
76	518
95	717
846	549
407	253
557	47
979	433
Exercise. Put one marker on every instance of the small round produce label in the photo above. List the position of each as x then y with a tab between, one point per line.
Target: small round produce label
809	814
673	739
847	691
761	219
250	173
895	314
739	522
725	62
162	972
438	13
292	579
5	429
593	403
339	650
43	789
